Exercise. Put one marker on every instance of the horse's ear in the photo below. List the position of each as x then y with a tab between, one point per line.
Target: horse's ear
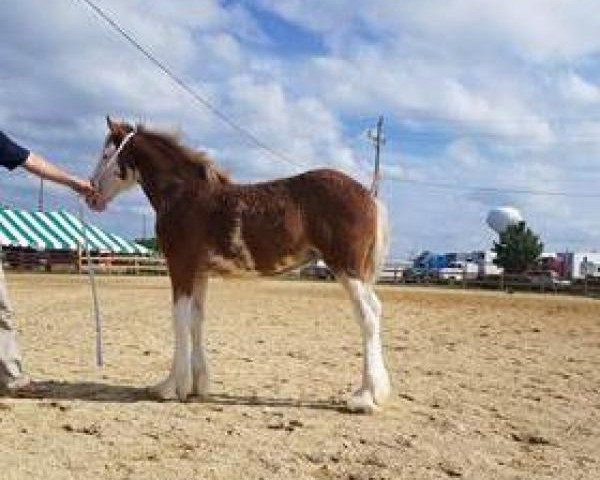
117	129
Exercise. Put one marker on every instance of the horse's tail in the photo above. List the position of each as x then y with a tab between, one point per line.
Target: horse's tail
380	246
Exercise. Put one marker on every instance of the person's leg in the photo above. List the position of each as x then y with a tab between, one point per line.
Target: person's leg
11	372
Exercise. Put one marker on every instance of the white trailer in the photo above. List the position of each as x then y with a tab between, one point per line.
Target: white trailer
393	271
581	264
485	262
458	270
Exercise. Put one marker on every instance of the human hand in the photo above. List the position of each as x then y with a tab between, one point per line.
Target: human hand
82	187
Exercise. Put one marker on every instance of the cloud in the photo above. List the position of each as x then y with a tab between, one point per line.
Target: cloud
577	89
474	93
88	71
531	29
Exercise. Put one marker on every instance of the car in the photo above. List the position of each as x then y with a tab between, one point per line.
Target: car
545	278
416	274
318	270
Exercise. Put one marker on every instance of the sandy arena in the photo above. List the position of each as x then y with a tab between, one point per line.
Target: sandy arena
485	385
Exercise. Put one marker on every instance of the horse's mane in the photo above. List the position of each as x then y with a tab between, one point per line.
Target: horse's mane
178	152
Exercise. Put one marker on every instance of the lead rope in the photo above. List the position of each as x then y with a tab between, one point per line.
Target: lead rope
92	278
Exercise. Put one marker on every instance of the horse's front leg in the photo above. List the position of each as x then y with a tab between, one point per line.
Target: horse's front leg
183	309
200	371
178	382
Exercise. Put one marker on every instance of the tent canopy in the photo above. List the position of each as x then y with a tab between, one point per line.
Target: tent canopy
58	231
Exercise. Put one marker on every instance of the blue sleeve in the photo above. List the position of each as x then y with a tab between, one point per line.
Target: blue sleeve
11	154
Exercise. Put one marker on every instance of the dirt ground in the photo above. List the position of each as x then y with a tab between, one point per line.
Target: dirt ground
485	385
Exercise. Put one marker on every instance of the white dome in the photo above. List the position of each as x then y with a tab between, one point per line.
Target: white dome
500	218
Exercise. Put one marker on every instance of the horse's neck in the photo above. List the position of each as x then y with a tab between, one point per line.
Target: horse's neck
165	188
166	183
161	186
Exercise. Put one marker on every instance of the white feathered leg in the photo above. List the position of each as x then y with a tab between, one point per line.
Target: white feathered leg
182	312
165	390
200	371
178	384
374	302
375	384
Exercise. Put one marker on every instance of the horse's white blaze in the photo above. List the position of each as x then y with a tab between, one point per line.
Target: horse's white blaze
375	386
182	315
107	176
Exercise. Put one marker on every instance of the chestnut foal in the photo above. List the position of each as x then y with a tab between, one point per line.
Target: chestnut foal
205	222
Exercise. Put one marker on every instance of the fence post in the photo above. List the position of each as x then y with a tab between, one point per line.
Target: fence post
79	261
585	276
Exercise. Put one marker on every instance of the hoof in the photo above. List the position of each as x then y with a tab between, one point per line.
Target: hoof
183	387
381	391
200	388
164	390
362	402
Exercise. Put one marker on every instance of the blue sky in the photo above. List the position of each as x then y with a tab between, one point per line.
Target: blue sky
474	93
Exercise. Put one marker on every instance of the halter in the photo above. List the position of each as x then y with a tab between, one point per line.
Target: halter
115	156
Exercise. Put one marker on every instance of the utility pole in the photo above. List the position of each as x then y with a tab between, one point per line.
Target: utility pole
378	141
41	196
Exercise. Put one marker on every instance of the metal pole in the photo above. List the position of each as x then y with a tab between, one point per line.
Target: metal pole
92	277
41	196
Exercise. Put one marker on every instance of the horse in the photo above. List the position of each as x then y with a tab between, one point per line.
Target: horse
207	223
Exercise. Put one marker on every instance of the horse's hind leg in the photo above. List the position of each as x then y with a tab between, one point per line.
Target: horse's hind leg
200	373
374	301
375	384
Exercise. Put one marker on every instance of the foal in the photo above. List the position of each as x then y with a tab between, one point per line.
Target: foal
205	223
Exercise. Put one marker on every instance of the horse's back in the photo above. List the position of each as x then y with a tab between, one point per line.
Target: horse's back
342	192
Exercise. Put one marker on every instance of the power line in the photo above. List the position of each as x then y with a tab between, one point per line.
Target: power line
185	87
286	158
474	188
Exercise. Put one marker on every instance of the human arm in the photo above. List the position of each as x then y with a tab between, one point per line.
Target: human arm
13	155
42	168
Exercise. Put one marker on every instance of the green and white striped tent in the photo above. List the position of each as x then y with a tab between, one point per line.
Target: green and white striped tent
58	231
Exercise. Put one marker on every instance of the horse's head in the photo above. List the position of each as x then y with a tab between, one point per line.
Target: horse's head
116	170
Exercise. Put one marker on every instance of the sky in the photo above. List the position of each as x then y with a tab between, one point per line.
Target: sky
475	93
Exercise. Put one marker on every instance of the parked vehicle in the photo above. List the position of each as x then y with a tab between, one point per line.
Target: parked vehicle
415	274
318	270
456	271
545	278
